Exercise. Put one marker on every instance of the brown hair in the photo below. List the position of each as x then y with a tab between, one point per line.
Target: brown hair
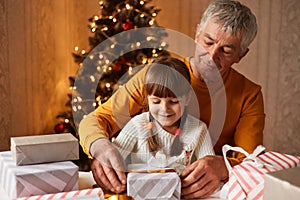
167	77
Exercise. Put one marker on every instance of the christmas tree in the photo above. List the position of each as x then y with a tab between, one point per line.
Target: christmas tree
112	59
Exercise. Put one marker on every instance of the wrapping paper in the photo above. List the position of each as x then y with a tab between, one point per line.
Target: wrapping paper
87	194
246	180
44	148
142	186
29	180
284	184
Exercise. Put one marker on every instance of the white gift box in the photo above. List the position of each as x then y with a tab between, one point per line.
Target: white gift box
284	184
44	148
87	194
149	186
29	180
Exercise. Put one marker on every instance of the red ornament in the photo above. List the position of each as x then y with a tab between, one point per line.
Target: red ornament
127	26
59	128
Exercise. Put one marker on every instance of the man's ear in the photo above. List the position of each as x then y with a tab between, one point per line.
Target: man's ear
242	56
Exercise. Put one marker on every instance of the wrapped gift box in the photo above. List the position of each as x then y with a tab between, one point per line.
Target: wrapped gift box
149	186
87	194
284	184
246	180
29	180
44	148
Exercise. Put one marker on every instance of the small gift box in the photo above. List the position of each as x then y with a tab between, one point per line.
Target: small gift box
246	180
29	180
284	184
44	148
149	186
87	194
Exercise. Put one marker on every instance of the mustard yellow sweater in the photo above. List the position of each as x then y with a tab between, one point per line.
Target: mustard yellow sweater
233	112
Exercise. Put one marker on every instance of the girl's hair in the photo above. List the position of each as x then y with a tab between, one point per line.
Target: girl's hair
234	17
167	77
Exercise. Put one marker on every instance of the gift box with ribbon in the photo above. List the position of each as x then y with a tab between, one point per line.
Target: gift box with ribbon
246	180
38	179
159	185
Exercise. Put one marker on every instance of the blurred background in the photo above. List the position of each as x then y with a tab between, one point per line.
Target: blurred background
37	39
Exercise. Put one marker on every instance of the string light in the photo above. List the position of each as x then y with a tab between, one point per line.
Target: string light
142	2
128	6
151	22
67	120
83	52
92	78
154	14
76	48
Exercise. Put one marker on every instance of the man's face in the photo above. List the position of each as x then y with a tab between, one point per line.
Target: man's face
216	51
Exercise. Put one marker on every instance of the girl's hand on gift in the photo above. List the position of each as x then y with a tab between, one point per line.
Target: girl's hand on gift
108	167
203	177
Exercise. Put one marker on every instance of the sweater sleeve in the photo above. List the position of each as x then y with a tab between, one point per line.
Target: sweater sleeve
204	146
111	116
127	139
249	130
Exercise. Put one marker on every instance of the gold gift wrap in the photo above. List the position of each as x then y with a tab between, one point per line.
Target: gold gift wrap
37	179
153	185
44	148
283	184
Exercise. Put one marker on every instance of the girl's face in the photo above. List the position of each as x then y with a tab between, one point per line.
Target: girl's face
167	111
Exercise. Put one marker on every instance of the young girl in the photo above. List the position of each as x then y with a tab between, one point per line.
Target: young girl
166	136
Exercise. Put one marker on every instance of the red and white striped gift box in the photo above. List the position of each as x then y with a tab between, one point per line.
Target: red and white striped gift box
246	180
87	194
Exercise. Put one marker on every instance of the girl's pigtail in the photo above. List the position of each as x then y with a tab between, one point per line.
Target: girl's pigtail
152	140
177	145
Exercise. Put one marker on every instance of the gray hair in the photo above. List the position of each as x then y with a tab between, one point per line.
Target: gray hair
235	18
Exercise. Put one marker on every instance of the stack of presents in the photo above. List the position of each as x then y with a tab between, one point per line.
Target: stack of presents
41	167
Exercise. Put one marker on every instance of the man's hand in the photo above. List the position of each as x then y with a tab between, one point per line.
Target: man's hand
108	167
203	177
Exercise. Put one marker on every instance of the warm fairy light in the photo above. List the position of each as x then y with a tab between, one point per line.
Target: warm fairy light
70	88
101	56
107	85
163	44
138	44
114	20
149	38
83	52
107	61
154	14
142	15
67	120
98	68
142	2
96	17
93	30
110	17
155	55
128	6
151	22
112	46
93	24
144	61
76	48
79	107
91	57
80	64
92	78
75	100
94	104
101	3
98	98
130	70
79	99
104	28
74	108
154	51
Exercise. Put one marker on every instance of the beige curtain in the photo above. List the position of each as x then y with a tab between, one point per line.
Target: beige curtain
37	38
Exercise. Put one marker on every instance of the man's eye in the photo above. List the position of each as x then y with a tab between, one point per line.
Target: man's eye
155	101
